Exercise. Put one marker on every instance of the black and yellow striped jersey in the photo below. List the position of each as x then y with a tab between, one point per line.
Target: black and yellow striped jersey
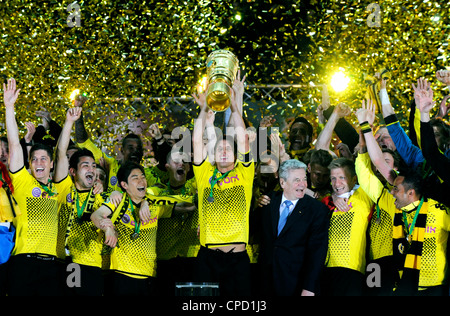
433	267
433	260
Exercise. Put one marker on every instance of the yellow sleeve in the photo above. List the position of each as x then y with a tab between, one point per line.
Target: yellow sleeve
165	203
166	199
98	153
367	180
202	172
246	165
21	179
417	126
63	188
6	207
151	175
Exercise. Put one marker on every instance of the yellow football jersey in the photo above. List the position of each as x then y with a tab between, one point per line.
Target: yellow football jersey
77	233
136	257
226	219
380	229
433	262
37	226
347	234
177	234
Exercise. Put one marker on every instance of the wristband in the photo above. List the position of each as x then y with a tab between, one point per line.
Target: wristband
384	97
365	127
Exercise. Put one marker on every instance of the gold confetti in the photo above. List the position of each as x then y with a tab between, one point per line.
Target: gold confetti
125	50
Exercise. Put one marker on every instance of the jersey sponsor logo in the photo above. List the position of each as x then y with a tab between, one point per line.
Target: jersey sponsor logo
151	221
428	229
160	202
229	179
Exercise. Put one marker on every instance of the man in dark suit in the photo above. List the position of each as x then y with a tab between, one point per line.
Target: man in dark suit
292	254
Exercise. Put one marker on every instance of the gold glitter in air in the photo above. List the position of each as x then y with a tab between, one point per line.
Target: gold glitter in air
125	51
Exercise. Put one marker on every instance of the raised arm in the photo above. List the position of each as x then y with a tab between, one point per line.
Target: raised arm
363	114
324	138
410	153
239	126
437	160
444	77
10	95
238	89
386	107
199	127
81	134
62	162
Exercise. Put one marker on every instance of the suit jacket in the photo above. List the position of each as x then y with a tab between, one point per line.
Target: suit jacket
295	259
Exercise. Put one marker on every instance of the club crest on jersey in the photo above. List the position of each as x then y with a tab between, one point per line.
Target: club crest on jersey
126	218
113	180
36	192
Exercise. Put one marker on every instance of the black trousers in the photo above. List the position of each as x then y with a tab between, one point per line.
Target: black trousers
388	277
230	269
342	282
117	284
3	278
169	272
90	282
32	275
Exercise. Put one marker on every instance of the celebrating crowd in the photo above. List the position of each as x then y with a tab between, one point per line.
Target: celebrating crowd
369	216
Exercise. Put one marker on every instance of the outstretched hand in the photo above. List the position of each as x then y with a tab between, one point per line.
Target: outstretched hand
239	85
444	108
342	110
423	95
366	112
31	129
422	92
443	76
73	114
155	132
10	93
200	97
